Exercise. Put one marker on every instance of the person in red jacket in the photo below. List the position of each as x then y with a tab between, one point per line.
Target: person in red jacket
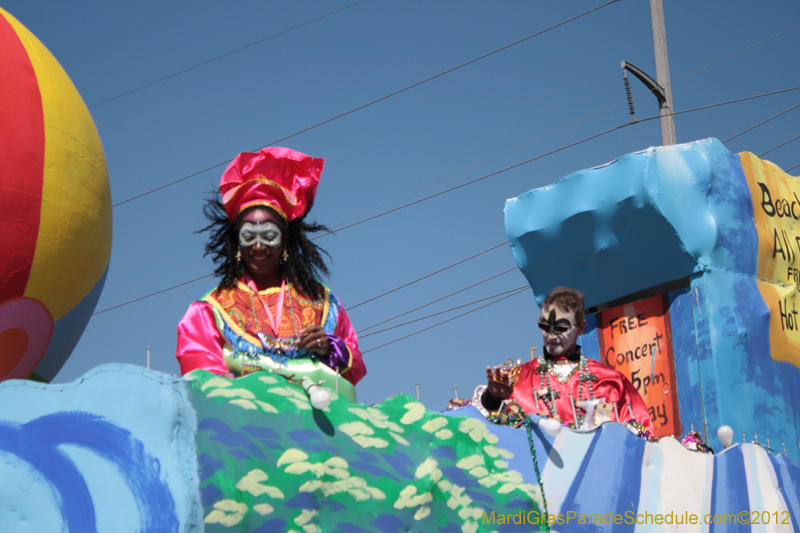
270	311
546	384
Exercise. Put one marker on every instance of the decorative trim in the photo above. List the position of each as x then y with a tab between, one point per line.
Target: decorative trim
263	204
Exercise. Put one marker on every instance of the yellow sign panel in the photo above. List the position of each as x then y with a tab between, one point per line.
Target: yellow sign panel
776	213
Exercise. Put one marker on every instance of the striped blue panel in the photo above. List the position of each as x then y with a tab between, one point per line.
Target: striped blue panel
684	350
729	490
591	491
789	484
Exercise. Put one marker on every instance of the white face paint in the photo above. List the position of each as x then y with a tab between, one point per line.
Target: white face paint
559	330
267	233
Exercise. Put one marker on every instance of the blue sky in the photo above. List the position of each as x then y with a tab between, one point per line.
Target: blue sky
537	96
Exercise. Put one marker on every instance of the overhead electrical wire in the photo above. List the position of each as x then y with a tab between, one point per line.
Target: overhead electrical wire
340	224
395	93
443	312
428	275
776	147
760	123
493	174
371	299
343	224
436	300
794	167
445	321
440	74
409	204
145	305
152	294
709	106
734	53
224	55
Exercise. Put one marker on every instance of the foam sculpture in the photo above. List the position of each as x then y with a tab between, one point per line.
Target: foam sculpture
689	257
55	209
128	449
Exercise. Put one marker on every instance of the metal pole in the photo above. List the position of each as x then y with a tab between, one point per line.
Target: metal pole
574	414
417	391
668	135
148	358
455	392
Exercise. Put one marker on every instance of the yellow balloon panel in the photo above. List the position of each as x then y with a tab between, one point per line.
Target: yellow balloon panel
74	242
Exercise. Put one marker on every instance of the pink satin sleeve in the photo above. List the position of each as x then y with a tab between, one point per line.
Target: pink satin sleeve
344	330
639	408
199	341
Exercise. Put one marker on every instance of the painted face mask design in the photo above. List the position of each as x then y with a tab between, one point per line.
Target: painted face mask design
268	234
554	325
559	330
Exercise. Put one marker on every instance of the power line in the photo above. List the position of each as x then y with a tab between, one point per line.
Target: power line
151	294
436	300
673	80
726	103
224	55
734	53
341	225
794	167
377	100
776	147
371	299
145	305
479	179
429	275
423	81
445	311
445	321
760	123
550	153
490	175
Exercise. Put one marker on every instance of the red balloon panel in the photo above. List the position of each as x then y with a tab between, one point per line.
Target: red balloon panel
22	154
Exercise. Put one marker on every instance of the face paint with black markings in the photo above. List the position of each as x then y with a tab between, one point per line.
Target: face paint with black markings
553	325
560	331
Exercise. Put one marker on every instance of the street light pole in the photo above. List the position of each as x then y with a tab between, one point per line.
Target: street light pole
662	73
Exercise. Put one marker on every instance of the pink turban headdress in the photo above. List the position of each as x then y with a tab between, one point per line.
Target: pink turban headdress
278	178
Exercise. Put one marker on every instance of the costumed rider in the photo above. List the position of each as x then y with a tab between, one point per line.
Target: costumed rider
270	311
546	385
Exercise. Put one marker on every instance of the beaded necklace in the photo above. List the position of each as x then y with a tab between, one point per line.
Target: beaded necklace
281	347
544	370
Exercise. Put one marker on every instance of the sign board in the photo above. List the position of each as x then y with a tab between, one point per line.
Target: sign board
635	339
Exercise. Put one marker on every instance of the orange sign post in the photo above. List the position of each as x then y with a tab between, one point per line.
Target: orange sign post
635	339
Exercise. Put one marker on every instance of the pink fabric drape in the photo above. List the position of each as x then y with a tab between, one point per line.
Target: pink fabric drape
200	343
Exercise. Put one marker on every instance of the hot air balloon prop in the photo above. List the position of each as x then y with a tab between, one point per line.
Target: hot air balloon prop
55	209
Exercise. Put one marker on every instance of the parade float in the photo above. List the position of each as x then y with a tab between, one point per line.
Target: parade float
687	255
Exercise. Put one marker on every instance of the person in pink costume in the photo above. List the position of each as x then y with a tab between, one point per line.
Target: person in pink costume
270	311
